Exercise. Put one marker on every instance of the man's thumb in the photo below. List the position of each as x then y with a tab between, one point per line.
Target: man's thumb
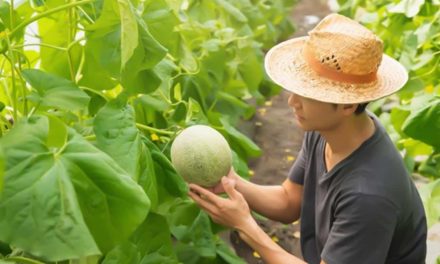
229	186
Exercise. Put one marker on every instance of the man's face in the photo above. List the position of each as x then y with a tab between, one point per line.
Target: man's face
315	115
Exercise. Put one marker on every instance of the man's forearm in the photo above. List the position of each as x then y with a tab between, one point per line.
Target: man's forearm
270	251
270	201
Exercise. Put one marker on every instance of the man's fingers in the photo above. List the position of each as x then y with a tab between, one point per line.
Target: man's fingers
229	186
206	194
206	205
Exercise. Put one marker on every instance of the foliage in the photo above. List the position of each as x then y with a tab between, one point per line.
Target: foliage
92	93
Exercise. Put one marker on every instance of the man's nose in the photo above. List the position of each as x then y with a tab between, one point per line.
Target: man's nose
294	100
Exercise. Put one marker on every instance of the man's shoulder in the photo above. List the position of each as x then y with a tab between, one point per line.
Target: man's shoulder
311	138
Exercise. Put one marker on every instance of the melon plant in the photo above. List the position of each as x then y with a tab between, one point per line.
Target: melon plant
96	91
201	155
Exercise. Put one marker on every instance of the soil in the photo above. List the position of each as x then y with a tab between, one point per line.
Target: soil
274	129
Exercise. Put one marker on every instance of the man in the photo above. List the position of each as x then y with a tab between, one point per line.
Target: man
349	185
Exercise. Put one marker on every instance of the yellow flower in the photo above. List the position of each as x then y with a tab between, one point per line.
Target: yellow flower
429	88
290	158
154	137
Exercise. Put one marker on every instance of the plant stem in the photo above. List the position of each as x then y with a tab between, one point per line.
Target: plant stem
42	45
11	14
90	137
152	129
70	37
24	260
85	15
47	13
14	92
23	88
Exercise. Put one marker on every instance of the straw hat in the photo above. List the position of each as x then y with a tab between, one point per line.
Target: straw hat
339	62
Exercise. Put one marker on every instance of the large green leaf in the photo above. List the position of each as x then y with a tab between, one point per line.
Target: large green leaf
430	194
68	202
117	135
151	243
409	7
240	141
53	91
102	59
160	18
58	61
424	123
191	226
153	239
129	30
102	63
138	59
169	184
2	168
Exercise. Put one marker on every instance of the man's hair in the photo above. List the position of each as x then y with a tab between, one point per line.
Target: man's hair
359	110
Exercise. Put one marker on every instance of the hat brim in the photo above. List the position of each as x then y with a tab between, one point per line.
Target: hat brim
286	66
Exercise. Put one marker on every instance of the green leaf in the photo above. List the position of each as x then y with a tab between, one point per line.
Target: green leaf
53	91
97	101
102	60
102	63
233	106
398	117
57	134
192	226
118	136
430	194
169	184
153	239
232	10
410	88
227	254
126	253
424	124
431	166
129	31
160	18
409	7
180	112
64	203
137	75
248	147
240	166
51	33
2	169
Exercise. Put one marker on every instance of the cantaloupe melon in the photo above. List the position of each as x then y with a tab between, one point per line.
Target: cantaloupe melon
201	155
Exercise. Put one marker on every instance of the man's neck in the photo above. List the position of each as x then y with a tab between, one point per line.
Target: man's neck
349	135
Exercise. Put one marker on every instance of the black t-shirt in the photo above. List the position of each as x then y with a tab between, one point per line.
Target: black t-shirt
366	209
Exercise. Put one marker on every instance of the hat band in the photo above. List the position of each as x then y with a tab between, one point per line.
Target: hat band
330	73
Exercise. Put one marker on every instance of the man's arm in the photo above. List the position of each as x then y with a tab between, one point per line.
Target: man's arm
235	212
281	203
270	251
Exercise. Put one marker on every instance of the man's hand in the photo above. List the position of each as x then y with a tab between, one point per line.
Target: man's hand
232	212
217	189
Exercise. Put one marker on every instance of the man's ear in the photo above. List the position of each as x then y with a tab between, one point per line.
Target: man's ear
349	109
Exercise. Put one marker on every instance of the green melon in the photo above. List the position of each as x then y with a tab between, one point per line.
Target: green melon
201	155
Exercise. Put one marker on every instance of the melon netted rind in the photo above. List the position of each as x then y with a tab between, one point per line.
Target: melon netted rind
201	155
